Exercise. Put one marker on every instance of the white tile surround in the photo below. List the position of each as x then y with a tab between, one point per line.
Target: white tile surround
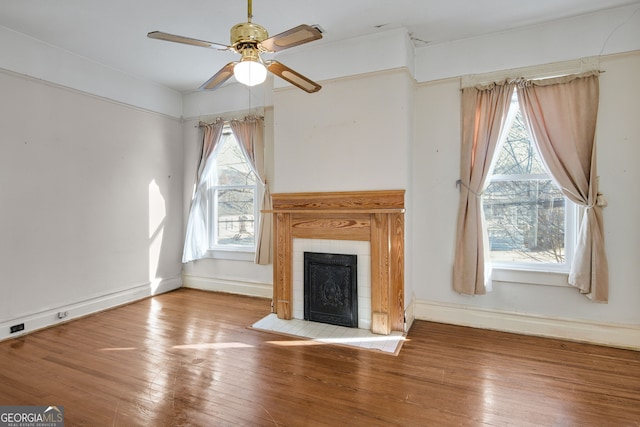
347	247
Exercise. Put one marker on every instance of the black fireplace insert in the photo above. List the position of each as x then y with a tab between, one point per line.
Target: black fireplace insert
331	289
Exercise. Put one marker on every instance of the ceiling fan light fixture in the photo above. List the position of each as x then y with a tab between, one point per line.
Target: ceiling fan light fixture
250	71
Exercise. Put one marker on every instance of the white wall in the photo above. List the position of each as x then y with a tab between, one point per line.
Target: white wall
352	135
385	50
603	33
40	60
436	163
91	203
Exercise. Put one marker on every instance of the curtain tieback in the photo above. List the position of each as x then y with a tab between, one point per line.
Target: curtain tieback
460	183
601	202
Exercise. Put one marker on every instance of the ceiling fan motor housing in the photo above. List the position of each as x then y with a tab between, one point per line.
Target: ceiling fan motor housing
248	32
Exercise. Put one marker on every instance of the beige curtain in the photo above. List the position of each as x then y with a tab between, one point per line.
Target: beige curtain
250	133
484	111
561	114
196	241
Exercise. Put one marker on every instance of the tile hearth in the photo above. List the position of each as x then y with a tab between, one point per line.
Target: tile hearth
321	333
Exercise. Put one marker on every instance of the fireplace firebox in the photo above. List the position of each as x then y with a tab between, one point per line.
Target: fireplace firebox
331	289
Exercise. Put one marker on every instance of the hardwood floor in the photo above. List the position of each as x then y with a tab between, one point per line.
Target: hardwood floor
189	358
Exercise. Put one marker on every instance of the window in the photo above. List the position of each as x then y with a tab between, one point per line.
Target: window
231	198
531	225
533	230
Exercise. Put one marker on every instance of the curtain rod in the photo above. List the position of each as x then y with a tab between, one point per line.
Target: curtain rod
534	72
226	122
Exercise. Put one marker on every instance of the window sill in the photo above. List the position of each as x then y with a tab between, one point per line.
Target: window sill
530	277
233	255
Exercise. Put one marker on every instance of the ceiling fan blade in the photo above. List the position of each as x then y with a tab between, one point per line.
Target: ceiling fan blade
293	77
219	77
293	37
159	35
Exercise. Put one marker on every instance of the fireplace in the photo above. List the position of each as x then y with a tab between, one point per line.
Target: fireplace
374	217
331	288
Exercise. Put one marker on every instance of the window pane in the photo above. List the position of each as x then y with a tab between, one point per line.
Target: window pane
525	221
231	166
235	221
518	155
524	210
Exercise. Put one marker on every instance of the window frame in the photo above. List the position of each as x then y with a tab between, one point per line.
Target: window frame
229	251
551	274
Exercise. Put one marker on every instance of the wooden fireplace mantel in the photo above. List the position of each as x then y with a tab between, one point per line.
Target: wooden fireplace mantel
373	216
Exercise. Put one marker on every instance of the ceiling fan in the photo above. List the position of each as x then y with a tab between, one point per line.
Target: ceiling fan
250	40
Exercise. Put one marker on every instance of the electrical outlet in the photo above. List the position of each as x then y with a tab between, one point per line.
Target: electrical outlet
17	328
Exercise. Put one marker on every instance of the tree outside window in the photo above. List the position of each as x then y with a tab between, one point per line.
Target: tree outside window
526	213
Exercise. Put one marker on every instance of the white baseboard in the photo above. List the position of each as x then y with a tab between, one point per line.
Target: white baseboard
409	314
49	317
263	290
613	335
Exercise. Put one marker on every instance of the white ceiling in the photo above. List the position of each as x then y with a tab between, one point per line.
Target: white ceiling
113	32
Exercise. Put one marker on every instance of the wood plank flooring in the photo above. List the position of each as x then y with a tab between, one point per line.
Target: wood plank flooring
189	358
